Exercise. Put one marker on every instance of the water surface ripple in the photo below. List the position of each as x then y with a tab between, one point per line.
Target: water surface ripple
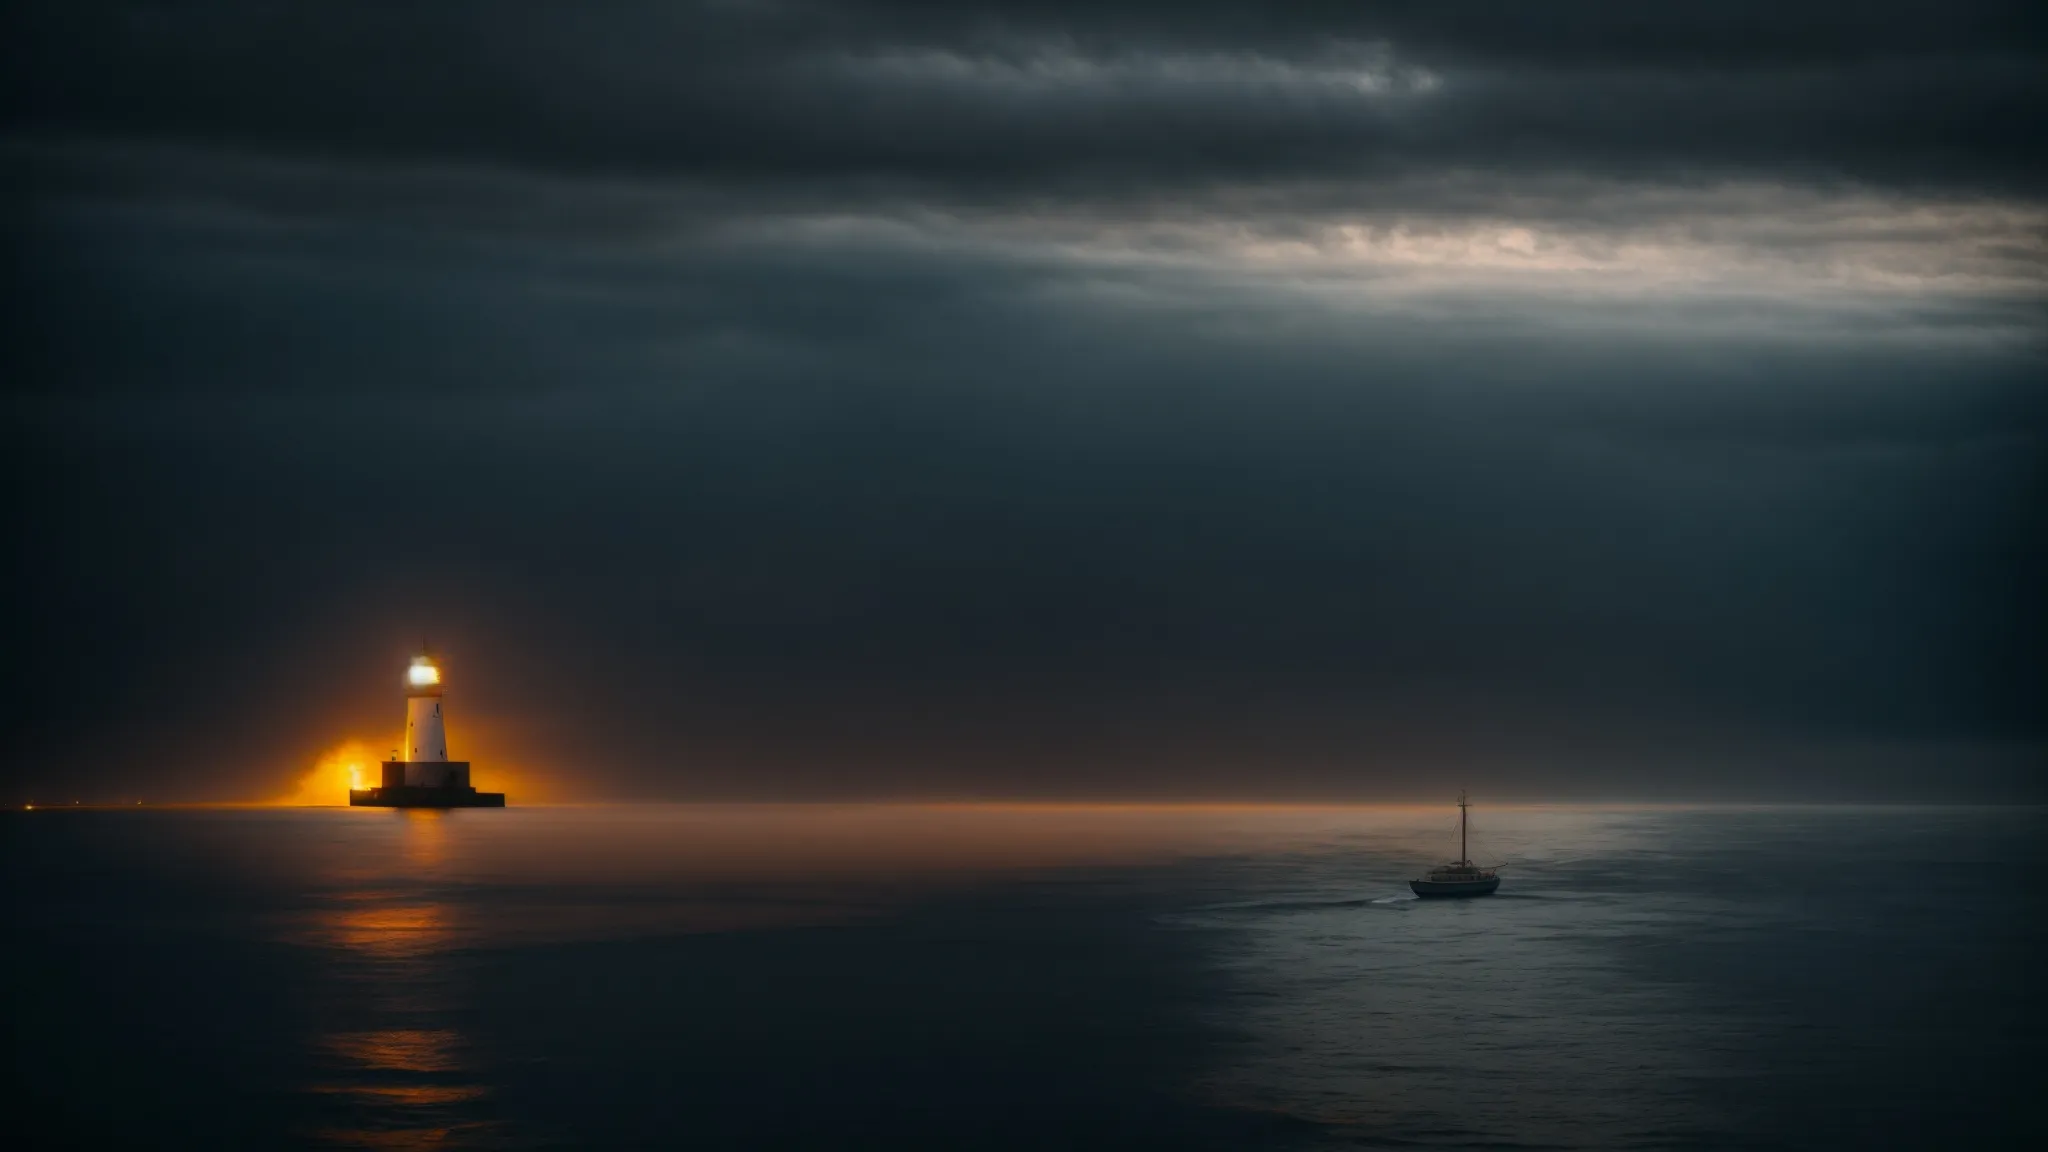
1028	977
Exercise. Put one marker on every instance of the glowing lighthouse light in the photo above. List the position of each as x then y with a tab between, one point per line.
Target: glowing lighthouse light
419	773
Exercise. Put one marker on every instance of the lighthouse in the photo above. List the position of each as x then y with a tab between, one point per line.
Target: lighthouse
426	735
419	773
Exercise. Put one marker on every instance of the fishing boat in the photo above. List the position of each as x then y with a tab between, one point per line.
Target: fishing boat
1460	878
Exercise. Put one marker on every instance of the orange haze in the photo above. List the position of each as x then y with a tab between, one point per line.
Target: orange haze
355	764
349	765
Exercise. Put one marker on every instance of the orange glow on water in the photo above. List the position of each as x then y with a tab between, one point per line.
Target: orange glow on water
426	837
411	1109
415	1095
390	933
399	1049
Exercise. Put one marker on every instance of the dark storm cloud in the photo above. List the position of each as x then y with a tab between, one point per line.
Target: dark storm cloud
1009	100
770	399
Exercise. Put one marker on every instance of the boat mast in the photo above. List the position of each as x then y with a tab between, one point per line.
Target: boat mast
1463	857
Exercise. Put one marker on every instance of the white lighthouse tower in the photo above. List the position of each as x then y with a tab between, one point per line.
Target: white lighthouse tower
419	773
426	733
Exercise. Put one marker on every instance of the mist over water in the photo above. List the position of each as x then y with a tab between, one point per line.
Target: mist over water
895	976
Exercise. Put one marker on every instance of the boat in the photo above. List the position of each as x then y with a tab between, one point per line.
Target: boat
1461	877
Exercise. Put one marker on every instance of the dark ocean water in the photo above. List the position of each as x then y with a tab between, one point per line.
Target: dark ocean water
894	977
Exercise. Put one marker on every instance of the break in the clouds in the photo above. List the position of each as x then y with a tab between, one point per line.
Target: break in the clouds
997	399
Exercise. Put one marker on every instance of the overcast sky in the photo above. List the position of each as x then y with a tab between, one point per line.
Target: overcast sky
1108	399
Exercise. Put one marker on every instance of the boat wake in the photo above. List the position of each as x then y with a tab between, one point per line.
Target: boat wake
1287	905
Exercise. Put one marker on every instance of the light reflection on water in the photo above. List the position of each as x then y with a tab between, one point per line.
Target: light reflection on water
398	1049
403	897
387	1081
389	885
1032	976
1713	978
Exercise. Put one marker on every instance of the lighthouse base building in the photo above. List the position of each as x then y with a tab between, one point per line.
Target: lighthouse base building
424	777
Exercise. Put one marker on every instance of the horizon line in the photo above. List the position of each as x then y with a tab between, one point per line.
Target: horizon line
1076	805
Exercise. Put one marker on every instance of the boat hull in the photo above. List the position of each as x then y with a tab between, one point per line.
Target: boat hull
1442	889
